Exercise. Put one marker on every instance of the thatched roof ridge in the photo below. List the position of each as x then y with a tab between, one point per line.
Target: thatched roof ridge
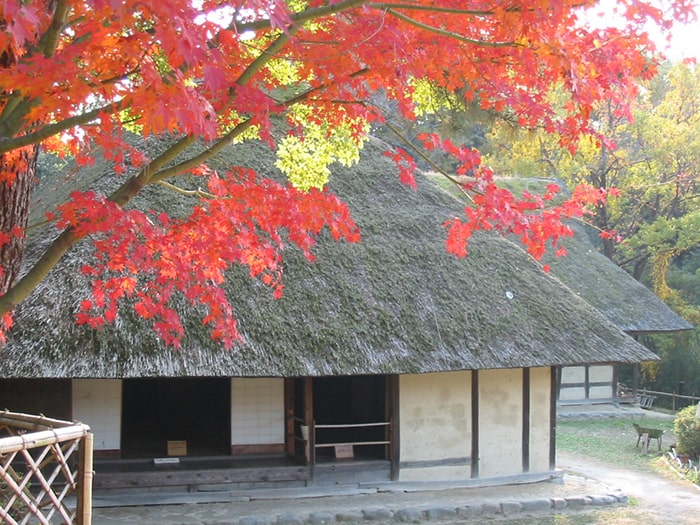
397	302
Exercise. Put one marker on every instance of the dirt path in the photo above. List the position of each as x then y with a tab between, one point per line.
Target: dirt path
655	500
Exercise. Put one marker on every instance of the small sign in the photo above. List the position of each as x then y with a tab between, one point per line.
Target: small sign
166	461
344	451
177	448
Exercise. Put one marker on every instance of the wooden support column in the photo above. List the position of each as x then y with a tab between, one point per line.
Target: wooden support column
85	475
553	389
475	423
526	420
309	422
289	445
394	428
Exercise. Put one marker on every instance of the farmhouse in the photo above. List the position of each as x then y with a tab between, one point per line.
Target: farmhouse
384	360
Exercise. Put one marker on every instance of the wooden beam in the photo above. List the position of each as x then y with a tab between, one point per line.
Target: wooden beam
554	373
85	475
289	415
526	421
475	424
395	434
309	422
165	478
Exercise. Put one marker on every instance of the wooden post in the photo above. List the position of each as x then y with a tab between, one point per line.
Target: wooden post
85	475
289	444
394	427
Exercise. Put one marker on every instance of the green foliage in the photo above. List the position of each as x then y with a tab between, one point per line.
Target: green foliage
306	159
611	440
653	159
679	368
687	429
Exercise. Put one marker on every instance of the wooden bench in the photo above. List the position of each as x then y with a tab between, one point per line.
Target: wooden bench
653	433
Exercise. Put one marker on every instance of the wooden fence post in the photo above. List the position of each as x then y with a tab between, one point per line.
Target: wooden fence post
85	475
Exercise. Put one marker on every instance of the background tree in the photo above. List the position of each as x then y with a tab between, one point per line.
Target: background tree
77	75
653	158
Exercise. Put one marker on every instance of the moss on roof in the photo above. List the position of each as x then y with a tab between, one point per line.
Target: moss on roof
599	281
396	302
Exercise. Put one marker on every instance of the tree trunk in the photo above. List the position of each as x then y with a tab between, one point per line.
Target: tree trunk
14	213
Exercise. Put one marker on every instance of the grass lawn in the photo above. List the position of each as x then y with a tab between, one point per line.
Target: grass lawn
613	440
609	440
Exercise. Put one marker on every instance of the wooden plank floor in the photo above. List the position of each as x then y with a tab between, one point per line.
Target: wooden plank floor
189	473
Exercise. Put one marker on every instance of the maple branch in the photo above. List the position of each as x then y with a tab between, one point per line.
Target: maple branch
17	106
449	34
306	94
427	159
386	6
23	287
67	238
11	118
57	127
300	16
188	193
209	152
149	172
49	40
267	55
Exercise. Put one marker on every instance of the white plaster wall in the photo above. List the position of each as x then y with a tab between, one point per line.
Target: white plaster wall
577	374
98	403
600	374
600	392
435	421
573	374
257	411
540	400
572	393
500	422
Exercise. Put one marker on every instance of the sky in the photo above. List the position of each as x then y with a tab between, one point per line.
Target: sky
685	42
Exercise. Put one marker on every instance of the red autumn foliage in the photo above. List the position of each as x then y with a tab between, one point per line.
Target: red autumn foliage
73	74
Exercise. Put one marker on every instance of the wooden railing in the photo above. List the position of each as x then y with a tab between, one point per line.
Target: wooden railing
354	443
308	436
45	470
675	398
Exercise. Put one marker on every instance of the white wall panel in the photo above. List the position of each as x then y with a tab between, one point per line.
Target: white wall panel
257	411
98	403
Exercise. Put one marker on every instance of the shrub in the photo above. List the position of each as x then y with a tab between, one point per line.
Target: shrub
687	429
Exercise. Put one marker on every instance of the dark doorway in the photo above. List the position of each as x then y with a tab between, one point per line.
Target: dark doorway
351	401
195	410
50	397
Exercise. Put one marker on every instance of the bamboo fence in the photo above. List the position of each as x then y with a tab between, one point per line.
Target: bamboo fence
45	470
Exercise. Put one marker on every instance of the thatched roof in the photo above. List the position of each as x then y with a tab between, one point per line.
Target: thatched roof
621	298
397	302
600	282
